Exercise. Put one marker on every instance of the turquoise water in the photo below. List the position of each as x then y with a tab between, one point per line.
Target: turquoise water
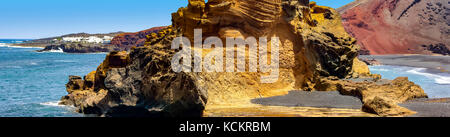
435	85
32	83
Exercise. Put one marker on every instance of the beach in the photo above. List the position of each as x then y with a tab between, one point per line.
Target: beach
429	66
331	99
427	71
434	64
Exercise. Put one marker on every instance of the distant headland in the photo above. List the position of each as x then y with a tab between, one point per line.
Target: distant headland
91	43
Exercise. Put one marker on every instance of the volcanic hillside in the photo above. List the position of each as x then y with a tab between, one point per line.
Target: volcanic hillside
399	26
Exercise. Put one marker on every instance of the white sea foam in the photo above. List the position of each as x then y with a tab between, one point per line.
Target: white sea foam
444	80
11	46
13	67
53	104
378	69
56	51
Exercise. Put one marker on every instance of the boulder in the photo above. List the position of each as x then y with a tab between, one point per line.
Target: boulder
75	83
385	107
382	97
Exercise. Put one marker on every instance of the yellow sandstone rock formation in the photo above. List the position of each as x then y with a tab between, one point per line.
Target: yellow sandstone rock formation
315	54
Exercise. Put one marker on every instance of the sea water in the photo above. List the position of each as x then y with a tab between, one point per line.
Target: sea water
436	85
32	83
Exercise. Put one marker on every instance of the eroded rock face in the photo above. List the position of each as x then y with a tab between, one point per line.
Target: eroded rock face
382	97
385	107
87	93
398	26
314	47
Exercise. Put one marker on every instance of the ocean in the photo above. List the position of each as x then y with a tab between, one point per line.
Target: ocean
436	85
32	83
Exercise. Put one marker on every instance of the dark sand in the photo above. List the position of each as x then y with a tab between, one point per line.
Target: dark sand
434	64
429	107
312	99
424	107
319	99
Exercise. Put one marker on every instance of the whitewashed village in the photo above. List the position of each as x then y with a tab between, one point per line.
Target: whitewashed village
90	39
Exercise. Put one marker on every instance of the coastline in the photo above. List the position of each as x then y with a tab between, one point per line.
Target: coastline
13	45
433	63
37	45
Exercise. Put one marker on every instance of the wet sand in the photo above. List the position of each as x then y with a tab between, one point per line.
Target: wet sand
434	64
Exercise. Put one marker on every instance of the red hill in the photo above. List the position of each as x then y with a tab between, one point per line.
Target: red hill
399	26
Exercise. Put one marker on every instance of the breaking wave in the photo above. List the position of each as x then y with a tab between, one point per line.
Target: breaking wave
11	46
53	104
443	80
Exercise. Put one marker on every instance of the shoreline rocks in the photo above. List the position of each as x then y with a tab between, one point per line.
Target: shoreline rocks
79	48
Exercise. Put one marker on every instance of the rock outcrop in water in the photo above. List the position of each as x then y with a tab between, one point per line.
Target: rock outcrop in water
399	26
382	97
79	48
315	54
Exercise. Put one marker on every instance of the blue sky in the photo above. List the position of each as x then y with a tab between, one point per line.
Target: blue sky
31	19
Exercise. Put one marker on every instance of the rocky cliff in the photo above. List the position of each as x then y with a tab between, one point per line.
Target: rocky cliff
316	54
125	41
399	26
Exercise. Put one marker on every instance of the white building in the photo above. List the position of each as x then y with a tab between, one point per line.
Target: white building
107	39
93	39
72	39
90	39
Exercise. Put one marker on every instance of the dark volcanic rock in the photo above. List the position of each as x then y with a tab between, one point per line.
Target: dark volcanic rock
142	86
370	61
139	87
438	48
79	48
